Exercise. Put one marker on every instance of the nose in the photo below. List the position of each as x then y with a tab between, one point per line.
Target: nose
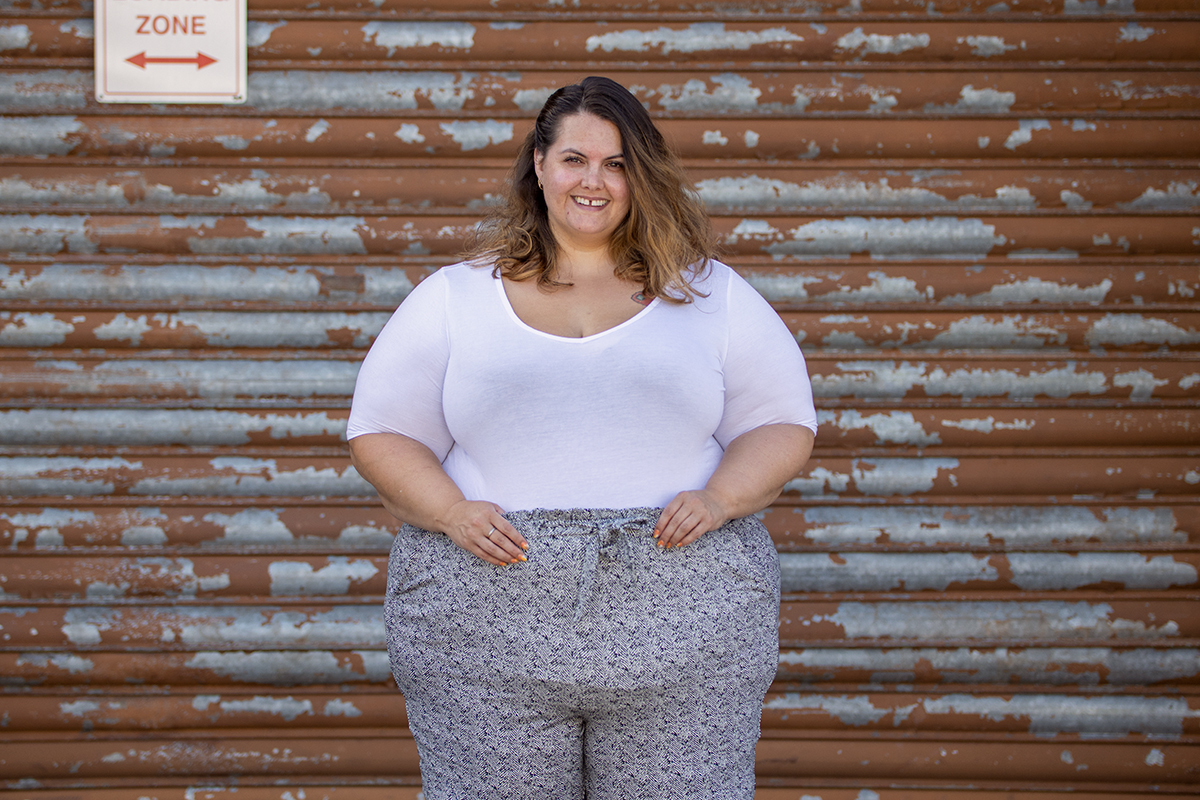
593	176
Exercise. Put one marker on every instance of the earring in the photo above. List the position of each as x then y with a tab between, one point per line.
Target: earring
540	187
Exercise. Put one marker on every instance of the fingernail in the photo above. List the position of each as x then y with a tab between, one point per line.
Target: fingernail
522	558
524	545
656	533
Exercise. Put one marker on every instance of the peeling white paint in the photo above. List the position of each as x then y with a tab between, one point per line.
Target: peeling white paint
287	708
988	424
78	708
1074	200
81	28
258	477
240	627
232	142
192	282
155	426
1124	330
1035	290
123	328
258	32
209	379
882	238
1065	571
893	427
731	92
1141	384
293	668
1010	331
316	130
876	476
696	38
296	235
14	37
976	101
1089	7
294	578
982	526
1179	196
476	135
714	137
876	43
1087	666
409	133
406	35
341	708
54	475
532	100
32	329
1092	716
45	234
1024	132
987	46
881	572
849	710
1133	32
1034	620
316	90
15	191
888	379
68	662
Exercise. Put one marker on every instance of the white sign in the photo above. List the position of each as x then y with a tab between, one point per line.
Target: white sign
171	51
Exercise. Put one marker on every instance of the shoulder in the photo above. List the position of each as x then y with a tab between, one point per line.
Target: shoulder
453	280
713	282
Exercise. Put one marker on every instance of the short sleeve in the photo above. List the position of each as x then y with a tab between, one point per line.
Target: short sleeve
399	386
766	378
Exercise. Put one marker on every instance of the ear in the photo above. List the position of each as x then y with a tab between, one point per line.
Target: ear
538	159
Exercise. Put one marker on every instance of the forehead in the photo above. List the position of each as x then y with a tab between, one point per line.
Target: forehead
588	134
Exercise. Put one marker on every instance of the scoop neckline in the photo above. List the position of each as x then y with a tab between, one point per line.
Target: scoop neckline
512	314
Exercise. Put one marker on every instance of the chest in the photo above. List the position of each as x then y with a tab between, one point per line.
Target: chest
581	310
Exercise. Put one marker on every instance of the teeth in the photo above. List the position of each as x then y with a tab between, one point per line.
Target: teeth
593	203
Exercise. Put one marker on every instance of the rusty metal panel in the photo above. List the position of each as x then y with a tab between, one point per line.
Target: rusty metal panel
884	238
429	188
334	135
977	218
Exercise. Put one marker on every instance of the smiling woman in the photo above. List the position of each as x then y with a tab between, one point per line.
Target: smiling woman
577	426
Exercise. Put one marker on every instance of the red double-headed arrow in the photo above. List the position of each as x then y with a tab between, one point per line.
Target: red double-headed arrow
200	60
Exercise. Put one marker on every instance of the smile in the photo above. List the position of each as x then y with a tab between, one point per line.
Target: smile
583	201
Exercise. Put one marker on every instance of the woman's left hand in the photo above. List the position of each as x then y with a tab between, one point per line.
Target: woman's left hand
688	517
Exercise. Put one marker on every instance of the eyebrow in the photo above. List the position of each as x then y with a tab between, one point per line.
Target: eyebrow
578	153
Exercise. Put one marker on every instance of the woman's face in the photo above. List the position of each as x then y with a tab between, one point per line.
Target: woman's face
583	175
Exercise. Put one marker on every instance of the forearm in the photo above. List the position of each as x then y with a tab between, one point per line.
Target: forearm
408	477
757	465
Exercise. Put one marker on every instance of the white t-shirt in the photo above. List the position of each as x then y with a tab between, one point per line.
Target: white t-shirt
627	417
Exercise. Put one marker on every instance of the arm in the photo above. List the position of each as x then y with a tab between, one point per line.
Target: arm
415	489
752	473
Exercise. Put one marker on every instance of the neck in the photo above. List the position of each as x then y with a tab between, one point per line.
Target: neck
575	265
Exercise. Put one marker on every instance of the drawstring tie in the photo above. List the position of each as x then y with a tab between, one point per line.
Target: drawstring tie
609	545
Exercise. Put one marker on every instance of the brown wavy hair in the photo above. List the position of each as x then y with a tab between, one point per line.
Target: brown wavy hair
666	231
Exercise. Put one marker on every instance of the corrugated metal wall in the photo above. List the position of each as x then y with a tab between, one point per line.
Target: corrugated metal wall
979	217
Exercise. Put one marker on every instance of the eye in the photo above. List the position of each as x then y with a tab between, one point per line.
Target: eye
616	165
573	160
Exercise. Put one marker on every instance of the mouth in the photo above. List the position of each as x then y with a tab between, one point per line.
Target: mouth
583	201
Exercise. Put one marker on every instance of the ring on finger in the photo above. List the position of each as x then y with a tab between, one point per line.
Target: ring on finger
489	533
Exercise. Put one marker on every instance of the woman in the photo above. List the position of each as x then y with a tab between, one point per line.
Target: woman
575	426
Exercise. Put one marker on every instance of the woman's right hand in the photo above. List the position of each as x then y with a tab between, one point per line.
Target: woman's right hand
478	527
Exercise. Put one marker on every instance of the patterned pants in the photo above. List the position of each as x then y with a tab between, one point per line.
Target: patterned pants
603	667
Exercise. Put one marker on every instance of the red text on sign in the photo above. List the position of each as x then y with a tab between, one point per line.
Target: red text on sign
162	24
